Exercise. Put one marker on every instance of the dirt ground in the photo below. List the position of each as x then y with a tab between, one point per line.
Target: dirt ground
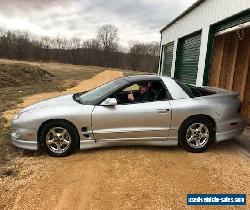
121	177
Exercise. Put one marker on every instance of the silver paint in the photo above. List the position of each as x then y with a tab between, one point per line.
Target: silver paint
153	123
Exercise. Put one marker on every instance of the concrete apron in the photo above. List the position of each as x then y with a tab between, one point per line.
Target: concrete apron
242	142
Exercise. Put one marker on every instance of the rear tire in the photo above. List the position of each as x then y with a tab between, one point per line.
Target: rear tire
59	138
196	134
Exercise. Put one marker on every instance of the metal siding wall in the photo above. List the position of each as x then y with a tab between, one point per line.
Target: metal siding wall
206	14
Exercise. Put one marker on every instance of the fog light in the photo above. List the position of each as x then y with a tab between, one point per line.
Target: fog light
15	135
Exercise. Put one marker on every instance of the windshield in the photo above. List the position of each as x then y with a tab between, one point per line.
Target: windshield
96	95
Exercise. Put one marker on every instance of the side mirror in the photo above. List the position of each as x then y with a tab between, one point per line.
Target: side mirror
109	102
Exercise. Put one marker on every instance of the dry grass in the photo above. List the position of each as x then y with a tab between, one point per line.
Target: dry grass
69	71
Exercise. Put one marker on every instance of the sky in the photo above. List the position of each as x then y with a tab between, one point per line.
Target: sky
136	20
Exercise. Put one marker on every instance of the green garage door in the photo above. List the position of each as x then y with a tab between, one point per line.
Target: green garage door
167	59
187	58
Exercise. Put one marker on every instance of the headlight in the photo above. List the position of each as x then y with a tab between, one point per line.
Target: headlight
15	134
17	116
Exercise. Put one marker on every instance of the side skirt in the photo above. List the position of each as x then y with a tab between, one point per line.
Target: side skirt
91	144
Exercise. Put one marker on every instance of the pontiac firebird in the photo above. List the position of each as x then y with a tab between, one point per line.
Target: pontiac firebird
178	114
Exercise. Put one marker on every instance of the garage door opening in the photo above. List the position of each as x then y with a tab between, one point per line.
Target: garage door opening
230	65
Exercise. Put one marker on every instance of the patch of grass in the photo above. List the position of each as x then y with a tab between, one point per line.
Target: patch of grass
8	171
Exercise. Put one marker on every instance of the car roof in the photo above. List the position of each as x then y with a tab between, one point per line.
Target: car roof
141	77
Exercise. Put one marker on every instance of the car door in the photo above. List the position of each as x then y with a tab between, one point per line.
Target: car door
140	121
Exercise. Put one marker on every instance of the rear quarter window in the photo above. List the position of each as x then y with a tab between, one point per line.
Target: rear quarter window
193	91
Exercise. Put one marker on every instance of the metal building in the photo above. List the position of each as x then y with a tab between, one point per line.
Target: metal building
209	44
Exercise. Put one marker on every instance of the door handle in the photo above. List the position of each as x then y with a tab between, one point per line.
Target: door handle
162	110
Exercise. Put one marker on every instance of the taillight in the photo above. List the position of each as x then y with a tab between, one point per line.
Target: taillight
239	109
233	123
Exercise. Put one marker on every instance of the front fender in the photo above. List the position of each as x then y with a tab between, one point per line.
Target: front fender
79	115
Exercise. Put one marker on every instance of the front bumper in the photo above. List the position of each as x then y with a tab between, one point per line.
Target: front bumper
30	145
24	138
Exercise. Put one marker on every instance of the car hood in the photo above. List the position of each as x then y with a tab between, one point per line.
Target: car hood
58	101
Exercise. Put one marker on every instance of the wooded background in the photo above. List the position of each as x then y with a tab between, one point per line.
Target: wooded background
104	50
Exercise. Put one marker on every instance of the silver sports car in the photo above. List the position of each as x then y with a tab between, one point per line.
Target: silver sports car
136	110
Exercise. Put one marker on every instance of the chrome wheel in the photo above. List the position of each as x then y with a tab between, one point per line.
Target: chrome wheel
58	140
197	135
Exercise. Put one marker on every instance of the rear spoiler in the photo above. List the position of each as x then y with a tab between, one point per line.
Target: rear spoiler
220	91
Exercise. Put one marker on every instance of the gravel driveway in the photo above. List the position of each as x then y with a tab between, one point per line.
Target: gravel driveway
122	177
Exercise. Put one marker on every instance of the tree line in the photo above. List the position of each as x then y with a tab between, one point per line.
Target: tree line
103	50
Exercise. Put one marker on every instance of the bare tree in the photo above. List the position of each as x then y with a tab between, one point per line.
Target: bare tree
153	48
144	56
91	44
46	46
74	46
75	43
108	37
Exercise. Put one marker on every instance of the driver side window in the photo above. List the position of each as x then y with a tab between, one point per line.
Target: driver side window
134	87
141	92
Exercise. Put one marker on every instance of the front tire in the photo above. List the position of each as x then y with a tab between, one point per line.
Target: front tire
196	134
59	138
